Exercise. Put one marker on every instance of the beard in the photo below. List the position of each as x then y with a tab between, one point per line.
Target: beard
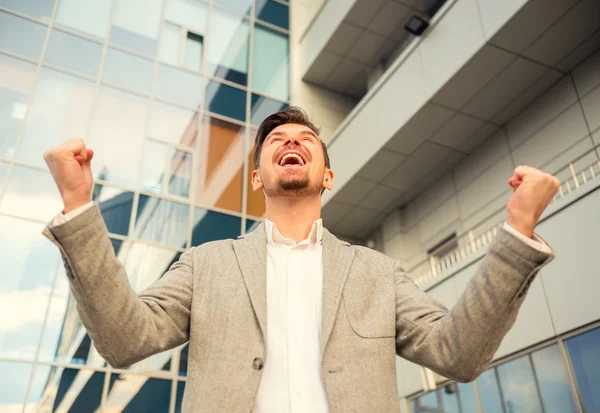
293	187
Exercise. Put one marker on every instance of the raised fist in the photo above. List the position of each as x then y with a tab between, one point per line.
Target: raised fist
532	192
69	164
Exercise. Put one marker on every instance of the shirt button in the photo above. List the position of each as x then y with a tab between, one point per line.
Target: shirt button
257	364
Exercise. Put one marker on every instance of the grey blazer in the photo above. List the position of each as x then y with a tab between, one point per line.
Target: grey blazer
215	297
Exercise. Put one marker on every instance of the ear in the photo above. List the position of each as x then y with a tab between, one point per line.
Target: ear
256	181
328	179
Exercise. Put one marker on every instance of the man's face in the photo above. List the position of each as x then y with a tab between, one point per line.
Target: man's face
292	163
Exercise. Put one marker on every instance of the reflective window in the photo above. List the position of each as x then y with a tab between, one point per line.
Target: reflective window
228	48
183	360
449	398
270	67
115	206
251	225
129	71
135	30
145	264
179	86
255	200
219	177
468	401
166	169
179	399
64	389
74	53
3	172
212	226
188	13
31	193
428	403
194	45
133	393
273	12
489	393
553	380
162	222
584	351
262	107
40	9
30	38
29	265
13	385
519	386
226	100
174	125
239	6
60	110
15	84
170	44
89	17
156	362
117	136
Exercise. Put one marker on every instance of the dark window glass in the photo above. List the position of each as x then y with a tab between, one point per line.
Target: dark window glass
262	107
135	30
30	38
518	385
179	86
228	48
179	399
74	53
273	12
115	206
13	382
251	225
553	380
226	100
489	393
161	221
89	17
584	351
117	244
183	360
128	71
133	394
211	226
40	9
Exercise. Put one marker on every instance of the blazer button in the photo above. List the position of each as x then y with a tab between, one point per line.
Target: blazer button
257	364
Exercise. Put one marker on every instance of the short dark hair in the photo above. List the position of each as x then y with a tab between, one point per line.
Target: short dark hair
291	114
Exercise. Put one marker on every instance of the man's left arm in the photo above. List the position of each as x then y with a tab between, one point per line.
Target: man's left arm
460	344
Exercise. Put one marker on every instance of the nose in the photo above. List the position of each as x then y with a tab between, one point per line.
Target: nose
292	141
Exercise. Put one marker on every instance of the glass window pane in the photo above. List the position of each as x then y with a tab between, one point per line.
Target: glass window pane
518	386
162	222
179	86
117	136
262	107
228	48
192	58
188	13
251	225
183	360
60	110
255	202
31	193
270	67
145	264
273	12
13	382
3	172
468	401
428	401
489	393
226	100
170	43
40	9
133	393
166	170
553	380
64	389
156	362
129	71
72	52
449	396
220	165
115	206
16	82
89	17
135	30
174	125
29	265
584	351
21	36
240	6
212	226
179	399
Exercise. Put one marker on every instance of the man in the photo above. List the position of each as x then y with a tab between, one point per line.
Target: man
288	318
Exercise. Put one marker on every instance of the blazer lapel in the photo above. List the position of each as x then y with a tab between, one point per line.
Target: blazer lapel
251	253
337	260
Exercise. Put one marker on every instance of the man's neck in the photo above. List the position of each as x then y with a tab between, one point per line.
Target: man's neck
294	217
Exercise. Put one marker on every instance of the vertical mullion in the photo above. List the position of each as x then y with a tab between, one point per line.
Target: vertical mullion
571	373
536	381
499	386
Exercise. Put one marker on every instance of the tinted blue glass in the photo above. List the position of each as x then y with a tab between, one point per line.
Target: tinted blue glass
226	100
40	9
183	361
211	226
449	396
270	65
518	386
179	86
21	36
263	107
179	399
273	12
489	393
73	53
116	243
468	401
251	225
584	351
134	394
428	402
161	221
129	71
115	206
553	380
240	6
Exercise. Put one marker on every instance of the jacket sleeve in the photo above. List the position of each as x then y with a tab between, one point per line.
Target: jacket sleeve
459	344
125	327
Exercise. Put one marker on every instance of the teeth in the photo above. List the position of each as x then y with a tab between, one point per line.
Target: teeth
289	155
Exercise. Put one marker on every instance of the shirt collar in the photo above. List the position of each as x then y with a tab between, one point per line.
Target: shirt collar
274	237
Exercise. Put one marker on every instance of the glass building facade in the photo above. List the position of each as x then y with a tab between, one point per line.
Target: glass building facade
169	94
562	376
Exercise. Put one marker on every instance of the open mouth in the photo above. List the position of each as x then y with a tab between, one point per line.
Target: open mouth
291	159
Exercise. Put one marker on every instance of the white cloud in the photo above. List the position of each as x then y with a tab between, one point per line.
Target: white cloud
28	307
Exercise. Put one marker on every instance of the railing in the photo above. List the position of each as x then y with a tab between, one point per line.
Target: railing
469	244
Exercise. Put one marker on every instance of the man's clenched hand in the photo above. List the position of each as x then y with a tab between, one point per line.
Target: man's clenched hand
532	192
70	166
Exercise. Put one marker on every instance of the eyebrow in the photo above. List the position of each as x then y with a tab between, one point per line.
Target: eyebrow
304	132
